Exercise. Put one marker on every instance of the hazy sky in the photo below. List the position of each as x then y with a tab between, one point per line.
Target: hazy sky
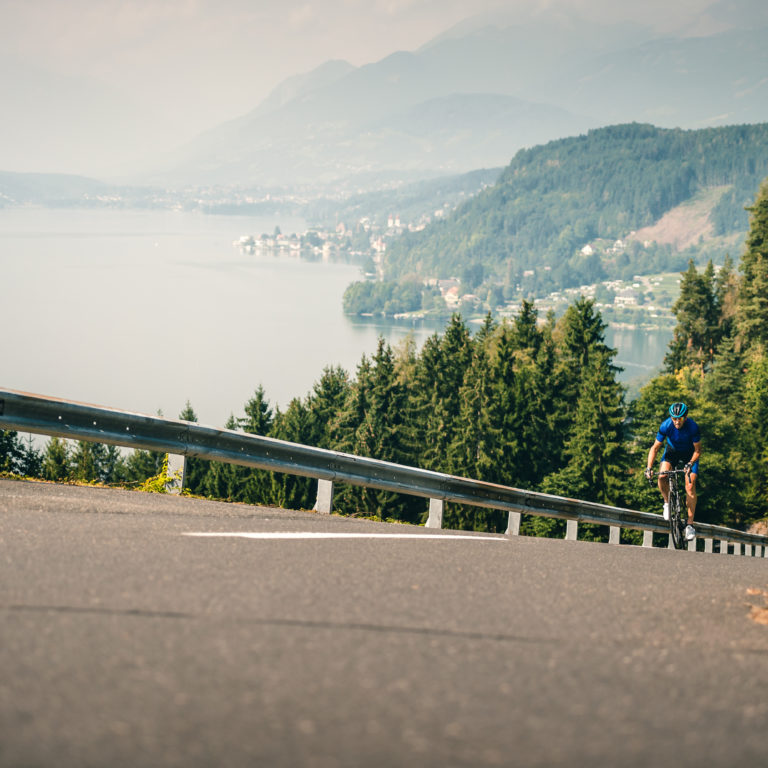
80	78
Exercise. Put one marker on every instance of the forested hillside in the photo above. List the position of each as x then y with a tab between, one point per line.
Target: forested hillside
527	232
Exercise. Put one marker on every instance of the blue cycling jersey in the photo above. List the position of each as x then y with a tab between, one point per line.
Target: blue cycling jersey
679	440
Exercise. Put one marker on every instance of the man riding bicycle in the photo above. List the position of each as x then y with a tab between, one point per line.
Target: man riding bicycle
683	445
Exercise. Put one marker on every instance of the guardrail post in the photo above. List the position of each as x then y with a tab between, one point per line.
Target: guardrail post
614	537
648	538
708	545
177	470
324	497
513	524
435	519
737	548
571	530
723	547
670	542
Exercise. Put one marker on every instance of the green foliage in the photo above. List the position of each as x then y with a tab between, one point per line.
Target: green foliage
292	491
594	450
698	331
554	198
160	482
16	458
141	465
752	311
372	423
388	298
56	461
11	452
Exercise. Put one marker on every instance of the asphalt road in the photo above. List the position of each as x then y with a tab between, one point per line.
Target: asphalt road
126	641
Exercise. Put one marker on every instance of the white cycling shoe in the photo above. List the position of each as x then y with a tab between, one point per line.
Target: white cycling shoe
690	533
665	511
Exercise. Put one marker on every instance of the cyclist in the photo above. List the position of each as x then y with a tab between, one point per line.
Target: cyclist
683	445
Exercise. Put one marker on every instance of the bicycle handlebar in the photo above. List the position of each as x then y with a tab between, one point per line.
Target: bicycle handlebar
666	473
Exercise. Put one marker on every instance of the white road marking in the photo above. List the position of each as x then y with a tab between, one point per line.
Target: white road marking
319	535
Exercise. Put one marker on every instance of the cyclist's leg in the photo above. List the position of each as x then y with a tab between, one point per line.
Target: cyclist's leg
665	466
691	497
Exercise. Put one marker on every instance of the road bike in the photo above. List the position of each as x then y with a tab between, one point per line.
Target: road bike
678	510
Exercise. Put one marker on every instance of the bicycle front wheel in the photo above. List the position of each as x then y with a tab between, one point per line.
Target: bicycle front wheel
677	529
677	522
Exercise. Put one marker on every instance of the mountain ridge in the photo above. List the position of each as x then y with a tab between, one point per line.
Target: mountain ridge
338	120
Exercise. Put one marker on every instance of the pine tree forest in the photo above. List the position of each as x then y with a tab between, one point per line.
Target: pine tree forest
532	403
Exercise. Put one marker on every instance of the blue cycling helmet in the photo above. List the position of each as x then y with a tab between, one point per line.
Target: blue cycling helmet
676	410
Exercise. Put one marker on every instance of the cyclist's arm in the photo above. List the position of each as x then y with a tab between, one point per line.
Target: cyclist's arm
652	453
696	453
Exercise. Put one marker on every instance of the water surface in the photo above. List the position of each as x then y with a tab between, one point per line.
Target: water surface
144	311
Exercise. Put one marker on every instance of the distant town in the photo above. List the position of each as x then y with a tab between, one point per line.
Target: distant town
645	301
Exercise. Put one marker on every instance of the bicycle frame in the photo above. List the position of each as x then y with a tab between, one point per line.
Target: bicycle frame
678	510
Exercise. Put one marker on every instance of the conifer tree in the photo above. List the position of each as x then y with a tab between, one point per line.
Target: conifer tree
196	469
344	431
223	480
724	386
726	297
527	334
449	366
752	312
406	373
754	422
258	414
17	458
32	460
253	486
422	391
285	490
382	432
475	446
141	465
56	460
596	460
88	461
752	344
372	425
350	417
697	331
113	468
324	403
11	452
579	336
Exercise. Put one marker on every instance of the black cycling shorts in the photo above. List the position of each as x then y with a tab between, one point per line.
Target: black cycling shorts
676	457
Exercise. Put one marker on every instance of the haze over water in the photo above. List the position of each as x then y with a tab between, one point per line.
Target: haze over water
143	311
146	310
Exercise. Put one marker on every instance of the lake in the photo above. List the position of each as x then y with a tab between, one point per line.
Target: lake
144	311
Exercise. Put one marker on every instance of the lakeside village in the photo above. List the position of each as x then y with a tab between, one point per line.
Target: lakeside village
643	302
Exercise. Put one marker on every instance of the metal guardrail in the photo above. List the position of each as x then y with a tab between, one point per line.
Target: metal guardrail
37	414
